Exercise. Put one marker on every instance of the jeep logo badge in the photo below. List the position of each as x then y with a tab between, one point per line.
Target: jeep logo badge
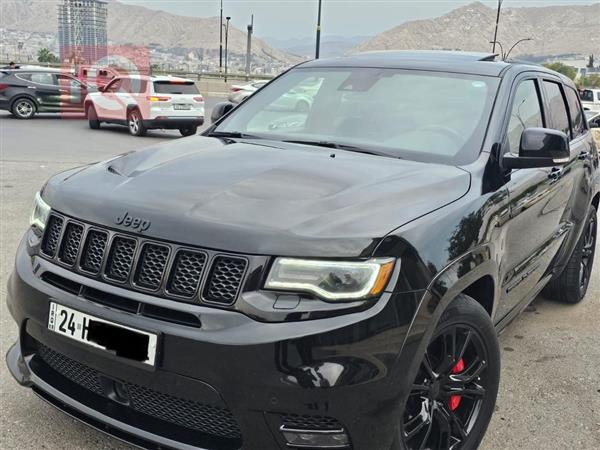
135	223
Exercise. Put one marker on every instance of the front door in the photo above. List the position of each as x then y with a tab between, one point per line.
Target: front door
538	198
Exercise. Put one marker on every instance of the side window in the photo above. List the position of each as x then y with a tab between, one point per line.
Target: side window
577	120
526	112
557	109
133	86
68	82
587	96
43	78
113	86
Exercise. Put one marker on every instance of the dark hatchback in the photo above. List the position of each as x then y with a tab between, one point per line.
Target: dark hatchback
328	278
27	92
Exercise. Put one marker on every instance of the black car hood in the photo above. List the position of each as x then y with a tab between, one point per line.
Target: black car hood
258	197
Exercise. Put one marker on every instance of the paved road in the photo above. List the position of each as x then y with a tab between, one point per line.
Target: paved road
550	390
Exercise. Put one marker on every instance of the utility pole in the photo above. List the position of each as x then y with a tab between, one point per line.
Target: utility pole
226	44
496	28
221	40
249	47
318	49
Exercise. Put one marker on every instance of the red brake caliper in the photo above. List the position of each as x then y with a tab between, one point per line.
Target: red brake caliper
454	400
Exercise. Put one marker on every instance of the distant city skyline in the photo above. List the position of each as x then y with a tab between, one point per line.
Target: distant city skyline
340	17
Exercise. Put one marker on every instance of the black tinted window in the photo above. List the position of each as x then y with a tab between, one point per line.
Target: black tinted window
577	120
557	108
38	78
526	112
587	96
175	87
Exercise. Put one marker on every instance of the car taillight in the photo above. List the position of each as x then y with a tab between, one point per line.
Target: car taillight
199	99
3	86
235	89
154	98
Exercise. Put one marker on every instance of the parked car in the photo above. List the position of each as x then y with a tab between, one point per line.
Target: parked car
336	282
96	76
593	118
143	102
27	92
590	99
239	93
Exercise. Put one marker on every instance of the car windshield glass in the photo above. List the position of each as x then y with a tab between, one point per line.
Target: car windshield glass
424	116
175	87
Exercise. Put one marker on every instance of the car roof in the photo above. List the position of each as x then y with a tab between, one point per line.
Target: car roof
475	63
155	78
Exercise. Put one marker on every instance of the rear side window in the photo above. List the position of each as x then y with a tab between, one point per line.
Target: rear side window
175	87
526	112
557	109
133	86
577	120
38	78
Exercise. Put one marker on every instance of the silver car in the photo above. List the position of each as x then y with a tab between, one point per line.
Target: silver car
239	93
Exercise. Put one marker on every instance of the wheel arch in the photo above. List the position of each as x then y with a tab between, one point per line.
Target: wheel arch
596	201
28	97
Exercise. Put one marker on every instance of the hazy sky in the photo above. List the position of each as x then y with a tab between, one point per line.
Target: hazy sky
297	18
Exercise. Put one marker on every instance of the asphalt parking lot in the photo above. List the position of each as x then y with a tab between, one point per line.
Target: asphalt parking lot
550	388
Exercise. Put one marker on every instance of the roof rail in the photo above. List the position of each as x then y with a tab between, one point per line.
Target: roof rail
490	57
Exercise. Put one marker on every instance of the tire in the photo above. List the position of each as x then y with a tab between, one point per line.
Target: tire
302	107
572	284
135	123
23	108
92	116
188	131
432	417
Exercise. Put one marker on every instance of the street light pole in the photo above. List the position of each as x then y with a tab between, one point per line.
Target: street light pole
318	49
221	40
496	28
226	44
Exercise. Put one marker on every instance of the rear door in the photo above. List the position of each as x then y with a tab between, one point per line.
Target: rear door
538	199
178	98
567	116
44	87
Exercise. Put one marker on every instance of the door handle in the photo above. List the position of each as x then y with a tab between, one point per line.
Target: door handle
30	87
583	156
555	173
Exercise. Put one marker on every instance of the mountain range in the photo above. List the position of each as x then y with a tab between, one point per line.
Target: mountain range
555	30
130	24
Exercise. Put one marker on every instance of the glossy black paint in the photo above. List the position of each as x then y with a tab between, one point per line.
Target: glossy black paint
540	147
496	235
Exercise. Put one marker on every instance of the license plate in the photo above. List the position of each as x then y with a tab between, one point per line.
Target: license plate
119	340
180	107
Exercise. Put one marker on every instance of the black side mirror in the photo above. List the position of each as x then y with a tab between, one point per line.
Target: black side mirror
220	110
540	147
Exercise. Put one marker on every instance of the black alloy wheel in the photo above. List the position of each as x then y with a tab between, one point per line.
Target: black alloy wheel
452	398
571	285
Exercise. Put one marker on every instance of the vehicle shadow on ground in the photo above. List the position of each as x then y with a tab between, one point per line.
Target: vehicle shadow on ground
76	117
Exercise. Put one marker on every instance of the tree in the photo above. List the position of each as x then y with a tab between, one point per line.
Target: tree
46	56
590	64
568	71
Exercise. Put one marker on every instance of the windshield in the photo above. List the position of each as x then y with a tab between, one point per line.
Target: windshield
175	87
424	116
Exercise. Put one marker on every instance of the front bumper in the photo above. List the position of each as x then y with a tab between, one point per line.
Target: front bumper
334	372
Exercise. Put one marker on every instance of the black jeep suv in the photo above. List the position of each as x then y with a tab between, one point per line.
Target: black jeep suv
327	278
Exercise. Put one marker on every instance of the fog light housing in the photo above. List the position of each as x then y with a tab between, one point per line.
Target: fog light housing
296	438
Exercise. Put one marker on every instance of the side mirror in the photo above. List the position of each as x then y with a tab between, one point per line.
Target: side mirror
220	110
540	147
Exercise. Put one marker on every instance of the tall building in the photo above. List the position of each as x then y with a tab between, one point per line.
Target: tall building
82	35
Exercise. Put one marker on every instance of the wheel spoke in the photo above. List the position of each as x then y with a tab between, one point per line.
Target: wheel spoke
417	429
472	372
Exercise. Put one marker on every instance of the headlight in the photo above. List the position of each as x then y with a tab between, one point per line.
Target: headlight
40	213
331	280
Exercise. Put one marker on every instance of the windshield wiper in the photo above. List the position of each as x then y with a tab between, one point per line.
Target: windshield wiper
233	135
338	146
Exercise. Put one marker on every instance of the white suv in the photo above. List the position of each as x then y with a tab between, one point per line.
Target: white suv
144	102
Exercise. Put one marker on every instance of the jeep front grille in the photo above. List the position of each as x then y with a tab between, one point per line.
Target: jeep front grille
146	265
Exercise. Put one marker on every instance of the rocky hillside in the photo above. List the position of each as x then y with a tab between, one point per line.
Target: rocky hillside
556	30
129	24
